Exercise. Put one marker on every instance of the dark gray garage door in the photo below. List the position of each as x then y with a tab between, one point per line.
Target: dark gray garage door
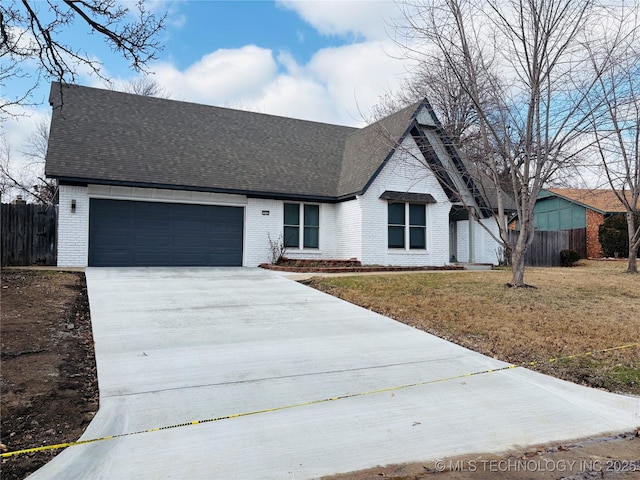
127	233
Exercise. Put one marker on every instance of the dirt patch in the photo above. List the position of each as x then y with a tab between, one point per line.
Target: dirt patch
49	386
606	457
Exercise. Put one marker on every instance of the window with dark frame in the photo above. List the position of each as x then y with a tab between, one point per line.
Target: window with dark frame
400	232
396	225
292	225
309	218
311	226
417	226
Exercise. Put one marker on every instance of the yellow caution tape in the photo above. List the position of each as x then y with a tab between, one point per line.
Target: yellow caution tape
586	354
296	405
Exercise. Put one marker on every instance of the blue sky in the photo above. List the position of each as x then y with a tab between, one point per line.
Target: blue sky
233	24
327	60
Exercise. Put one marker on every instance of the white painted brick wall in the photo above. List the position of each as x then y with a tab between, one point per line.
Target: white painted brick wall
348	229
463	241
485	245
404	173
73	227
258	227
353	229
486	251
164	195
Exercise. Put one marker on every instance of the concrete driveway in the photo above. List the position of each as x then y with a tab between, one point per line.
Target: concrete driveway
174	345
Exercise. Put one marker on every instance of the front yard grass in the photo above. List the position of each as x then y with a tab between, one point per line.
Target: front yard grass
587	308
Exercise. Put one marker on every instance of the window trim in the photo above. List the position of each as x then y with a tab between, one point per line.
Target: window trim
301	226
408	227
286	225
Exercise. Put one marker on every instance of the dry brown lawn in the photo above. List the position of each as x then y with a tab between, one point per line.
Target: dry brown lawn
573	311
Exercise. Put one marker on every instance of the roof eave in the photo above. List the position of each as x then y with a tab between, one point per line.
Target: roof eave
585	205
83	181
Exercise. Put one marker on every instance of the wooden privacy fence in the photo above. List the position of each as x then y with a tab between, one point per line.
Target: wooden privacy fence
28	234
547	245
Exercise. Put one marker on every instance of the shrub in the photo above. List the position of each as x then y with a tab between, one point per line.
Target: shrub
277	250
613	236
568	258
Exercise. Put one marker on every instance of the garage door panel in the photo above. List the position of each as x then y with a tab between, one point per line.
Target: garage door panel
151	224
123	232
115	238
224	232
191	258
152	258
116	257
183	242
154	241
192	225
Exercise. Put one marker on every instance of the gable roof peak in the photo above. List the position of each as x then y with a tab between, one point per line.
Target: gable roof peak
368	149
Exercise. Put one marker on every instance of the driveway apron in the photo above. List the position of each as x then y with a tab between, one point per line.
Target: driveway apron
178	345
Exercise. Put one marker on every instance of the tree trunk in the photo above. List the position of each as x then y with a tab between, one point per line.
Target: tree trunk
517	269
517	266
632	265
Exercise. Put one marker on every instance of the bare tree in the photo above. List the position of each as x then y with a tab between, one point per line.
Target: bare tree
33	48
15	178
452	105
529	56
144	86
614	120
28	176
33	32
6	185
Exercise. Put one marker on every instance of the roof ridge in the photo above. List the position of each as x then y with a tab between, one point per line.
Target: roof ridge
604	200
192	103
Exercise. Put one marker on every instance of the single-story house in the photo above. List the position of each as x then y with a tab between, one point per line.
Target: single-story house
147	181
575	208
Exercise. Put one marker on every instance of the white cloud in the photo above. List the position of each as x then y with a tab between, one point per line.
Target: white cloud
361	18
23	123
298	97
221	76
338	85
357	75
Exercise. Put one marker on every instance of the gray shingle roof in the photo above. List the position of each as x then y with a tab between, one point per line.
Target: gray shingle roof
103	136
367	149
108	136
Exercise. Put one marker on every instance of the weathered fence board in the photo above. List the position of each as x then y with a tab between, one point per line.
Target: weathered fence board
29	234
547	245
578	241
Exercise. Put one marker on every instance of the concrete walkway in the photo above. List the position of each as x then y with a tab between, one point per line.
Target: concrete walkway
174	345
